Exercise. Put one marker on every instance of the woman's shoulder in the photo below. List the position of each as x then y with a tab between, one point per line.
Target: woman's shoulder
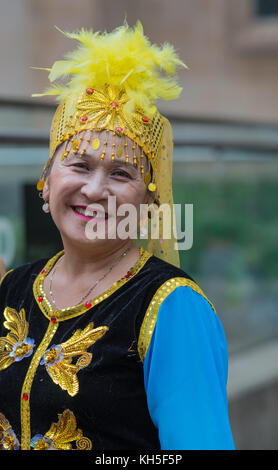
176	297
161	266
170	278
23	273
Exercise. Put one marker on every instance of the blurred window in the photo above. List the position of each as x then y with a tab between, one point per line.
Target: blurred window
266	8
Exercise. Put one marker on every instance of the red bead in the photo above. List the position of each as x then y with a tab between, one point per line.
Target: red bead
25	396
88	304
119	129
84	118
145	119
128	275
90	91
115	105
43	271
53	319
40	298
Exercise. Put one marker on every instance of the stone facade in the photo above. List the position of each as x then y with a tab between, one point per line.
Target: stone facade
232	56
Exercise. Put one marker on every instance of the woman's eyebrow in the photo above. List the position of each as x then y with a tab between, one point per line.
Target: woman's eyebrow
114	162
117	161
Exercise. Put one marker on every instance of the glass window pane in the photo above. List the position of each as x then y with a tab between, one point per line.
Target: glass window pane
266	8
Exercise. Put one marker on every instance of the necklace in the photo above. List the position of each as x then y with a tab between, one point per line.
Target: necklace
91	288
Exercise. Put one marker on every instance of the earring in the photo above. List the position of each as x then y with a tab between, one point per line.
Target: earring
143	228
45	207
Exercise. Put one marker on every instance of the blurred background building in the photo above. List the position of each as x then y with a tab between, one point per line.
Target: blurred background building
225	164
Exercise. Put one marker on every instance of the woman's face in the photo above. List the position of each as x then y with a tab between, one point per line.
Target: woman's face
85	192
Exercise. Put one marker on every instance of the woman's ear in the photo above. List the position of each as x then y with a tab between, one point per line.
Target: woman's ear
46	190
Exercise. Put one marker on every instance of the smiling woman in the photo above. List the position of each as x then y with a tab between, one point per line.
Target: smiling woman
109	344
78	190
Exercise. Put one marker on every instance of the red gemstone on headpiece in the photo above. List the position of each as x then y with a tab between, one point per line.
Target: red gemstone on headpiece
115	104
88	304
90	91
145	119
40	298
119	129
128	275
25	396
43	271
84	118
53	319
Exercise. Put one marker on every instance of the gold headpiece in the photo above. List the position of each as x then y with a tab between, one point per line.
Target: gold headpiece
114	81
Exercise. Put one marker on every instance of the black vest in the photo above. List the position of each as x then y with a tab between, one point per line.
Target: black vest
111	406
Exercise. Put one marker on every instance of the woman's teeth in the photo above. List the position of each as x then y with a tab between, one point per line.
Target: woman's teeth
91	213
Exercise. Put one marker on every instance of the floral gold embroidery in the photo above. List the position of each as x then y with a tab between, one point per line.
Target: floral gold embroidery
61	435
8	439
16	345
58	359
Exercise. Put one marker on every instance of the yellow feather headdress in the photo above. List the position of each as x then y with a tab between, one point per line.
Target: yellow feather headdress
123	58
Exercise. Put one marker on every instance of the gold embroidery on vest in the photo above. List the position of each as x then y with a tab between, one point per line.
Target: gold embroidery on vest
58	359
61	435
8	439
16	345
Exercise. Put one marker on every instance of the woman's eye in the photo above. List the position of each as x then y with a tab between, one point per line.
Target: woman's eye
121	173
83	166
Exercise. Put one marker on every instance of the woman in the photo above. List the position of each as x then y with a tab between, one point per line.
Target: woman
106	346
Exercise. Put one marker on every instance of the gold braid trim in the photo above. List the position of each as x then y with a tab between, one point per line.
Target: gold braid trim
71	312
150	317
27	385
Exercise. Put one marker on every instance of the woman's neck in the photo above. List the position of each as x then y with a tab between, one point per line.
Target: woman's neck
79	262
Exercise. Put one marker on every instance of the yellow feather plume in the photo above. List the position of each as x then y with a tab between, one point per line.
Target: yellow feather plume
123	58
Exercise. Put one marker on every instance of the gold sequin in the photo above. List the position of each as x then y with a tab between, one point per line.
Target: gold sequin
75	145
40	185
147	177
96	144
152	187
119	151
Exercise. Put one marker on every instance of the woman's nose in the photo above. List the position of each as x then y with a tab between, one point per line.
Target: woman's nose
95	188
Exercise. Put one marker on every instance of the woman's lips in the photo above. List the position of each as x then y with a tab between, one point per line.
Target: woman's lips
87	214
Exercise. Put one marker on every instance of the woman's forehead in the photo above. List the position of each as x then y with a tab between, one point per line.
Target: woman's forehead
105	146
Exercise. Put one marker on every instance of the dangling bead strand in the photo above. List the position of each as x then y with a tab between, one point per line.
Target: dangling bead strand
105	144
113	147
126	151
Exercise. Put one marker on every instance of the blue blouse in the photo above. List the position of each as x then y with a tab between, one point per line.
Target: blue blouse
185	372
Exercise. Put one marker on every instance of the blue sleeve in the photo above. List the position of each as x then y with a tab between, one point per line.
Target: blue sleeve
185	372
